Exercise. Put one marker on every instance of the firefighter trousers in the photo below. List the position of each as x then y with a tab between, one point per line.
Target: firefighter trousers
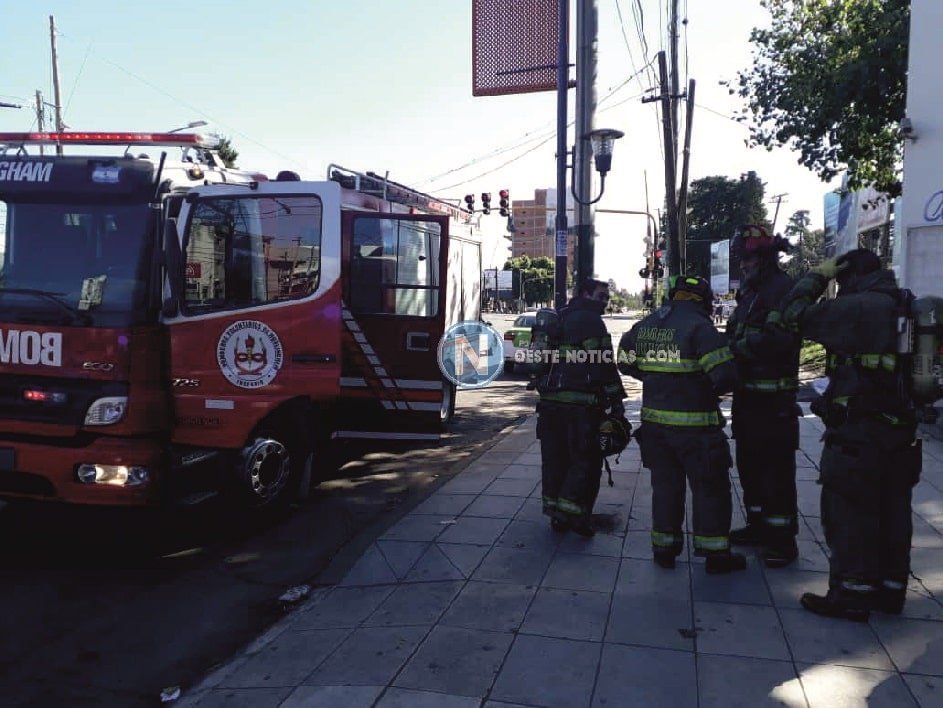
767	439
867	472
571	461
700	458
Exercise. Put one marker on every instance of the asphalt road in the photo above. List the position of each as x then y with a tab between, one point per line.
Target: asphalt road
107	607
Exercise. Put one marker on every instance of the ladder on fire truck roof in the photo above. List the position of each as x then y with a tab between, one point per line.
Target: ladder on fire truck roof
385	188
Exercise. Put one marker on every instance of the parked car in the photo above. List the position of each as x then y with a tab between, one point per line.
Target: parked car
517	337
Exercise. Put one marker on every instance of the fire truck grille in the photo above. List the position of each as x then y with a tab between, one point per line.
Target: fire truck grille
69	408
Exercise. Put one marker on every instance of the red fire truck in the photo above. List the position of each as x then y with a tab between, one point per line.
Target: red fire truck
173	328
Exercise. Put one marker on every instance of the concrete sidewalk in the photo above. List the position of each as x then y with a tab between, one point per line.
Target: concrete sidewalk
471	600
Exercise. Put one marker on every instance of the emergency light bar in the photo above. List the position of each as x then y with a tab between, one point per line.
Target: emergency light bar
181	139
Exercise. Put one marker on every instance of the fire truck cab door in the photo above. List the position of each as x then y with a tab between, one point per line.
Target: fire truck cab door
259	306
394	312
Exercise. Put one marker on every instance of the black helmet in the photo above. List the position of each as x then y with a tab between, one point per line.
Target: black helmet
614	435
690	287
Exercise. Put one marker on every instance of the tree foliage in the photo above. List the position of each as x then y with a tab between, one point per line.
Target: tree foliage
717	207
829	79
227	153
808	245
536	277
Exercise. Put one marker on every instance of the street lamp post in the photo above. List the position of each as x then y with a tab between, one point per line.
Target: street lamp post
188	126
603	141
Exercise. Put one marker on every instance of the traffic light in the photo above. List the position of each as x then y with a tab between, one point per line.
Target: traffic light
505	202
486	202
470	203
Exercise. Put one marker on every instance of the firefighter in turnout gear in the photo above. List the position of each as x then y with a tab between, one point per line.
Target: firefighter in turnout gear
871	459
684	364
581	384
764	414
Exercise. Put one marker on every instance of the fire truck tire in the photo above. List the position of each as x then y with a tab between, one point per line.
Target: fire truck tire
271	467
447	411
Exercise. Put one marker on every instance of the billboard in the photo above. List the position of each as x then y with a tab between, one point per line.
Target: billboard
514	46
720	267
832	204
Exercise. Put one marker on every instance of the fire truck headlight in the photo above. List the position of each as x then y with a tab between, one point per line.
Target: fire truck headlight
106	411
117	475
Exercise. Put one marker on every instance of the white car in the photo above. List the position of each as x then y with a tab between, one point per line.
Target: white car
517	337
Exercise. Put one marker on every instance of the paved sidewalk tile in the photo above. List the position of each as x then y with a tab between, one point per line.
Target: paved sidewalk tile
404	698
548	672
568	614
654	678
499	607
745	682
463	662
513	565
287	660
739	630
245	698
333	696
830	686
370	657
419	604
571	571
822	640
343	607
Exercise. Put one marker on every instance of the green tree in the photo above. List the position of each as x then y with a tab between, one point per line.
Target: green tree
536	277
808	245
829	79
227	153
717	207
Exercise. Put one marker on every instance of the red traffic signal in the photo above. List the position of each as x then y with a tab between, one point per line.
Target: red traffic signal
505	203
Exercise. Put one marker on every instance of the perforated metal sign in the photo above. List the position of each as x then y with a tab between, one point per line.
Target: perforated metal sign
514	46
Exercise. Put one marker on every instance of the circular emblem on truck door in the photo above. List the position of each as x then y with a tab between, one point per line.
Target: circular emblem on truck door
249	354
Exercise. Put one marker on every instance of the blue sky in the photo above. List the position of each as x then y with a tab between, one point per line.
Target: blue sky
385	85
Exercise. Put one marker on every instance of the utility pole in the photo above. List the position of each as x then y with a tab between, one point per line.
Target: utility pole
673	42
685	163
40	117
55	80
778	198
586	31
563	58
671	180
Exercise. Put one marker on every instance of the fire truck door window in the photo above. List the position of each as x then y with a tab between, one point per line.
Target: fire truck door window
248	251
394	267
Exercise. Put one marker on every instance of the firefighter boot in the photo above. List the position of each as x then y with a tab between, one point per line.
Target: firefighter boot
781	553
664	558
840	603
725	562
753	534
559	521
890	597
582	525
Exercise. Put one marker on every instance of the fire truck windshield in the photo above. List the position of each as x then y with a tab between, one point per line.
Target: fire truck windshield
80	264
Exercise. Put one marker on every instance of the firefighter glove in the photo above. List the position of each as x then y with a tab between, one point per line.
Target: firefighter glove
829	268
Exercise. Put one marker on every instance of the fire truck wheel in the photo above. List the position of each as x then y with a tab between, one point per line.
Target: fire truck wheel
447	411
271	468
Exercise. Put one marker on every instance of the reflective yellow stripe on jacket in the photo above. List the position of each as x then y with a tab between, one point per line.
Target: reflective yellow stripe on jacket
788	383
683	419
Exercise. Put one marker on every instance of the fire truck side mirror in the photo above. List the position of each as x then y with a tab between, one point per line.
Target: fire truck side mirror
173	267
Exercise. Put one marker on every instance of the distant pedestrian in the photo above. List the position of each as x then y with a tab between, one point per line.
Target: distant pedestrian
684	365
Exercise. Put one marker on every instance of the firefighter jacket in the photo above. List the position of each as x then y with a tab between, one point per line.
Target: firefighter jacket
583	369
767	358
684	364
859	332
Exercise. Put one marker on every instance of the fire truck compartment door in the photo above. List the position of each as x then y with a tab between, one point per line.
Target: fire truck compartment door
394	308
260	315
